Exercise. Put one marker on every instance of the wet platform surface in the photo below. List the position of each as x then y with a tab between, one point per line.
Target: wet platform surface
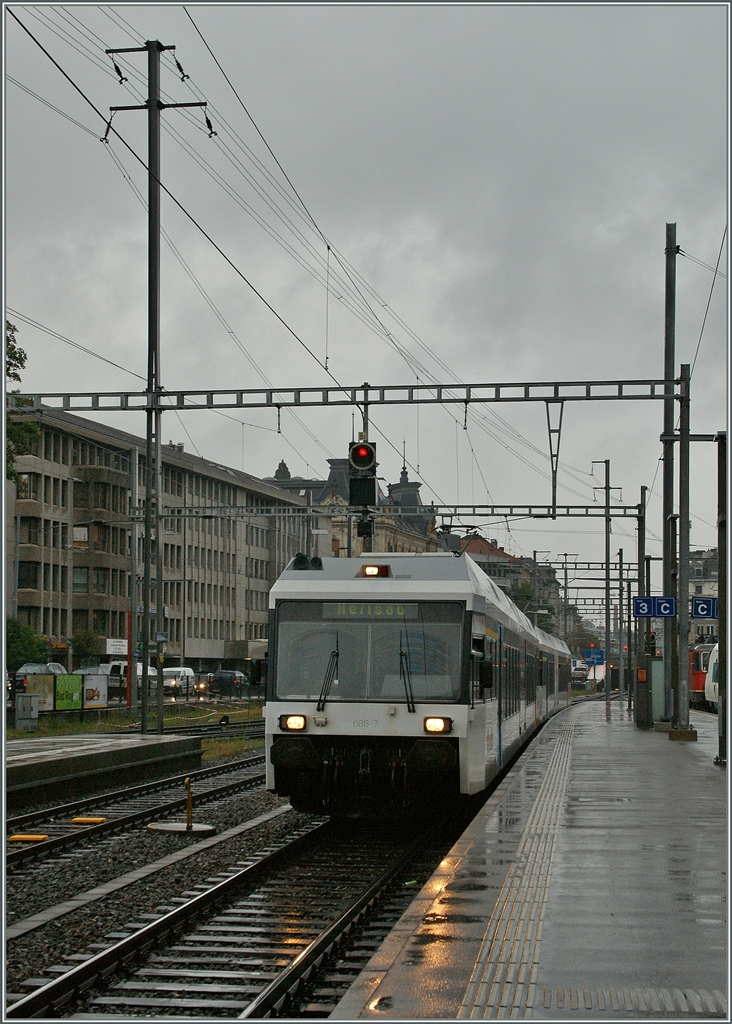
592	885
59	767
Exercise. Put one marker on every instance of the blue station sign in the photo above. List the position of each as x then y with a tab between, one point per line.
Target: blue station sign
654	607
704	608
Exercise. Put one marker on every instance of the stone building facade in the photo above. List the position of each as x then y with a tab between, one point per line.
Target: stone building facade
405	524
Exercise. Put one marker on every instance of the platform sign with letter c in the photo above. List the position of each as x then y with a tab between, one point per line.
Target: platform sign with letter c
642	607
704	608
664	607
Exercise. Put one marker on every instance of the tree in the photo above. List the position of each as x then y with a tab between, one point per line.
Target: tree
21	437
282	472
87	644
23	644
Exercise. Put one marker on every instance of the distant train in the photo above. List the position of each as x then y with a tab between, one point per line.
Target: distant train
711	685
397	680
698	664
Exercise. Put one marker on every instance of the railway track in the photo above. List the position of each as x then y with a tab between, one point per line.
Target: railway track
99	815
253	730
244	943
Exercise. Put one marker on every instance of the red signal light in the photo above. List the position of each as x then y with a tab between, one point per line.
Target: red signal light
362	456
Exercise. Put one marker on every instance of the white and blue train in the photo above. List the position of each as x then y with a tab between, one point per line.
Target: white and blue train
398	680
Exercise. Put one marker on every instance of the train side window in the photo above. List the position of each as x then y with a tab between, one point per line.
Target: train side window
486	676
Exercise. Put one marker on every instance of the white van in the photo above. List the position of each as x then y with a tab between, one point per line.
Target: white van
179	681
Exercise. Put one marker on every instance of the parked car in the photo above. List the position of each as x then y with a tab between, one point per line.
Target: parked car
50	668
17	682
228	683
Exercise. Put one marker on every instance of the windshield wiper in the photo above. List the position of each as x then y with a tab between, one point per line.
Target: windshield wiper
405	674
330	674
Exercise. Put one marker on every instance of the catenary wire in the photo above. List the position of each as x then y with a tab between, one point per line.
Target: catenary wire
225	257
199	227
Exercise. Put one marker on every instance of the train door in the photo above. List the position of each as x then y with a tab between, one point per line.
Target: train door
521	668
499	695
474	763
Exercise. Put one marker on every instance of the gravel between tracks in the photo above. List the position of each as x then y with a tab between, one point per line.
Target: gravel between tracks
30	955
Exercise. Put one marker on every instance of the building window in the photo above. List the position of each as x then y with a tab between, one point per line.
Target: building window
30	529
80	580
28	484
28	575
81	536
100	622
101	581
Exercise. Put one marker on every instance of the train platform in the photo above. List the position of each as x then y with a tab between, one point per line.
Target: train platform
39	768
591	885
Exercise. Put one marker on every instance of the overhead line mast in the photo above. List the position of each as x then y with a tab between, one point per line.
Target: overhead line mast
154	410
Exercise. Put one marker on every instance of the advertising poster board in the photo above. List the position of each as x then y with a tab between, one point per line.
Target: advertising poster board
95	691
42	687
68	692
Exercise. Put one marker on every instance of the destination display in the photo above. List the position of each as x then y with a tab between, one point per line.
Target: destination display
353	610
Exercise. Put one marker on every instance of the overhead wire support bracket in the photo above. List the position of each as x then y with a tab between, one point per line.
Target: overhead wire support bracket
447	511
555	436
394	394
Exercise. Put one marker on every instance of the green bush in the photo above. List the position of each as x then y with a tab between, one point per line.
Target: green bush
86	645
23	644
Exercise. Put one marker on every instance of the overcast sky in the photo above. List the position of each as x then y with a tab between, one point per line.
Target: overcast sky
496	179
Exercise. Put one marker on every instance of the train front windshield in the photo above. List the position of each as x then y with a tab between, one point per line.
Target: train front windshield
372	650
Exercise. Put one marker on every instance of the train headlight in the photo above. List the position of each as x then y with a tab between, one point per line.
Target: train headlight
438	725
293	723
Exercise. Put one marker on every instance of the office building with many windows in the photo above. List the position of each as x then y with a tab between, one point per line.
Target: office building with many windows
74	544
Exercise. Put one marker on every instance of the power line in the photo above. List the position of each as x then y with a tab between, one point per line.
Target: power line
194	221
706	311
68	341
343	263
40	99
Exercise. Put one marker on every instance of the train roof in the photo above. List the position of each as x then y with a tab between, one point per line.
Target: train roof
446	572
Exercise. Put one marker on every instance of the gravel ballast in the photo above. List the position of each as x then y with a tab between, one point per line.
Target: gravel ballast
53	882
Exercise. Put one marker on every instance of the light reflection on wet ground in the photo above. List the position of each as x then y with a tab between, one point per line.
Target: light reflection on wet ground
623	908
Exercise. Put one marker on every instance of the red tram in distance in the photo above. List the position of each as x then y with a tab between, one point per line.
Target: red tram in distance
698	664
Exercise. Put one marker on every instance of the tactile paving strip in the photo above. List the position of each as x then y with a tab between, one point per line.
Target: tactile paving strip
635	1002
503	981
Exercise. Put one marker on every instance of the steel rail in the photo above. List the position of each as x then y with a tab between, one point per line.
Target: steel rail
274	995
39	849
216	729
45	1000
129	793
